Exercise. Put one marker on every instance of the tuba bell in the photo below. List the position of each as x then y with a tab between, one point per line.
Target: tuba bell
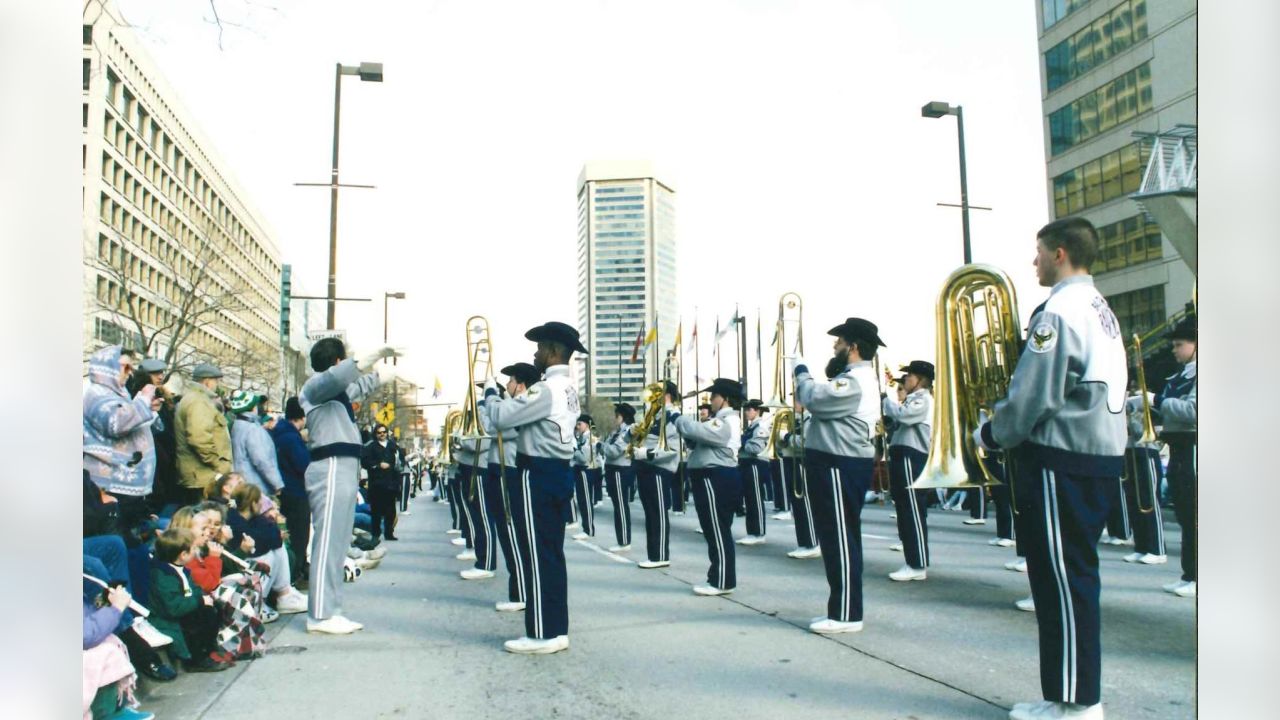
977	349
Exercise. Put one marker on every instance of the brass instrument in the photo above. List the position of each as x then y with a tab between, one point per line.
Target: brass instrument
479	349
451	422
1148	428
973	372
655	399
790	309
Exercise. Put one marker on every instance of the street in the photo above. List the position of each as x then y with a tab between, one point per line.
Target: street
644	646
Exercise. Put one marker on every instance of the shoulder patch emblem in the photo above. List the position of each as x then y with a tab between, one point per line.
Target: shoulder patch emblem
715	423
841	383
534	391
1043	338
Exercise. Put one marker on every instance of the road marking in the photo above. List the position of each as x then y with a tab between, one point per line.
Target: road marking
612	556
876	537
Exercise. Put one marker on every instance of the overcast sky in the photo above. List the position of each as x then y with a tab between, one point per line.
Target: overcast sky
790	131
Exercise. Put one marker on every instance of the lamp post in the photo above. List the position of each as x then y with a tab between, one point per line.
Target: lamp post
368	72
385	298
937	109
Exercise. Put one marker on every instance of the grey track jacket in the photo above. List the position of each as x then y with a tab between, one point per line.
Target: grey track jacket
329	426
913	420
842	413
717	439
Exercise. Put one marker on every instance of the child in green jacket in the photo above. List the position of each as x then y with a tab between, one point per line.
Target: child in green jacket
180	609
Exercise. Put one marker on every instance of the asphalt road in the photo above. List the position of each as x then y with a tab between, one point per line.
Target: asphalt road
643	646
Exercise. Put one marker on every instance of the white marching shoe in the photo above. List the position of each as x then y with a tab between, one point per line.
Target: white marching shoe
580	536
1026	604
784	515
650	564
896	547
710	590
1170	587
802	553
907	573
1001	542
619	548
466	555
1132	557
291	602
533	646
827	626
1049	710
453	531
751	540
573	525
509	606
1153	559
459	541
1018	565
475	574
1186	589
975	521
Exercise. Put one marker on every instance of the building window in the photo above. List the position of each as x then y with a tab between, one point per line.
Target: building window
1055	10
88	34
87	70
1131	241
1108	36
1098	111
84	116
1113	175
1140	310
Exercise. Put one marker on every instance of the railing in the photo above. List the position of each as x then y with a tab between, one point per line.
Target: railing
1172	166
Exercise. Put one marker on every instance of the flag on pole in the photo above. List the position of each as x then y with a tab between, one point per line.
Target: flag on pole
715	346
721	333
436	392
679	335
635	350
652	337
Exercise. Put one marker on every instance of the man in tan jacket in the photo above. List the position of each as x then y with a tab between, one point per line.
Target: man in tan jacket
203	442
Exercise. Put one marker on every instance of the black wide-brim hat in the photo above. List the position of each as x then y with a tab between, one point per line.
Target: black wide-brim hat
756	404
1184	330
858	329
627	412
557	332
724	387
523	373
923	368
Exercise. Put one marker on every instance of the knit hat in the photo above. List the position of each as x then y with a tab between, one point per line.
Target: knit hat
293	409
242	401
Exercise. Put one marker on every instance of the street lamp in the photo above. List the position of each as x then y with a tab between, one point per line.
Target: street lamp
937	109
368	72
385	298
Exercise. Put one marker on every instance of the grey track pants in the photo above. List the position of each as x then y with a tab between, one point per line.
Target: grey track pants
331	490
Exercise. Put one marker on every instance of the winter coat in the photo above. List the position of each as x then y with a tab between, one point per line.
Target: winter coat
373	455
264	531
100	518
253	454
292	456
206	572
98	623
203	443
119	452
171	600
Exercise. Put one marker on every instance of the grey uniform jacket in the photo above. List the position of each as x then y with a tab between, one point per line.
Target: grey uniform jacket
330	428
669	459
545	414
1066	396
913	420
1133	411
510	440
843	412
615	447
1178	414
582	450
757	435
717	440
473	452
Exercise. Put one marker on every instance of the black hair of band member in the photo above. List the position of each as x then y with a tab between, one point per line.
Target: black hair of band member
326	352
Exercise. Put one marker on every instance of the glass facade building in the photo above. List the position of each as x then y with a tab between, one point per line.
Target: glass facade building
626	276
1111	69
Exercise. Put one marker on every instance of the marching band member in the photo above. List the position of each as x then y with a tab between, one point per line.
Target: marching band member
839	460
908	451
583	461
539	501
795	485
333	476
620	475
1004	505
1142	492
479	535
755	471
717	485
1063	420
1176	404
654	474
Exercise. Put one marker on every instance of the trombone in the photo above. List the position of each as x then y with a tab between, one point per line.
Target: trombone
790	312
1148	429
479	349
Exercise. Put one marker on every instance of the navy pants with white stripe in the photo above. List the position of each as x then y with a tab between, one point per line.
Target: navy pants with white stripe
483	522
622	481
493	501
1142	493
1063	515
910	506
716	494
539	503
451	494
838	486
582	498
1004	504
755	486
793	483
680	488
652	484
781	496
1118	521
1183	478
596	476
476	531
331	491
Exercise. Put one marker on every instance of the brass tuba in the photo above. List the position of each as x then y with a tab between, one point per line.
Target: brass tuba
655	400
978	343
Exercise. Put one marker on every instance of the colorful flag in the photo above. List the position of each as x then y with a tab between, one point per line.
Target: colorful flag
438	388
679	334
652	337
635	350
721	333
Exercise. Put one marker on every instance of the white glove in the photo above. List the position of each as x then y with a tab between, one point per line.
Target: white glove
386	374
366	363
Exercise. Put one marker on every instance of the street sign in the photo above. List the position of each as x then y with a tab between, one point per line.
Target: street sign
321	334
386	414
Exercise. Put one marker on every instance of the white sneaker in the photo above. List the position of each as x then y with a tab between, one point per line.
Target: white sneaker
710	590
150	633
907	573
453	531
350	571
784	515
893	516
1132	557
870	497
336	625
459	541
354	553
580	536
509	606
532	646
619	548
896	547
827	626
573	526
1026	604
367	563
751	540
1001	542
377	553
650	564
405	512
292	602
476	574
1048	710
1120	541
802	553
975	521
1151	559
678	512
466	555
1018	565
1187	590
699	531
268	615
1170	587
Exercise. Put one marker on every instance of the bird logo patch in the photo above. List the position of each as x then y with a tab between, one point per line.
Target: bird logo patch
1043	338
841	383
